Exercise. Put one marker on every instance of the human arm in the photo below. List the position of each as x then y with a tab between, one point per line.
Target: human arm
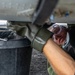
60	61
52	51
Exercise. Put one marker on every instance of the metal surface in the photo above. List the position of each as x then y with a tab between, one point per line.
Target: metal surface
17	10
64	12
44	10
15	43
22	10
15	60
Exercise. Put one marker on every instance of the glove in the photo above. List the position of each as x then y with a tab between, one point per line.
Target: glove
37	35
60	33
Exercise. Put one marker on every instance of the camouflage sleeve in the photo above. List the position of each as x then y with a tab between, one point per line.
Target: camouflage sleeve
50	70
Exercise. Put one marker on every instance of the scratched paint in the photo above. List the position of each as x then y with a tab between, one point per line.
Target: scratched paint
17	9
64	11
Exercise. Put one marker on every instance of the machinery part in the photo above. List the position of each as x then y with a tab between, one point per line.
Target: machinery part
17	10
64	12
15	57
43	11
26	10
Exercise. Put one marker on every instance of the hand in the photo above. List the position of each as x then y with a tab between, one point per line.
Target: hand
60	37
60	33
37	35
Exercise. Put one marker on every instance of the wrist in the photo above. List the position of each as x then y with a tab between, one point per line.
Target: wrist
41	38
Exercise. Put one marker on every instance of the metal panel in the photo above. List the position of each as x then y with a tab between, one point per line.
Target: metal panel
17	10
44	10
64	12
